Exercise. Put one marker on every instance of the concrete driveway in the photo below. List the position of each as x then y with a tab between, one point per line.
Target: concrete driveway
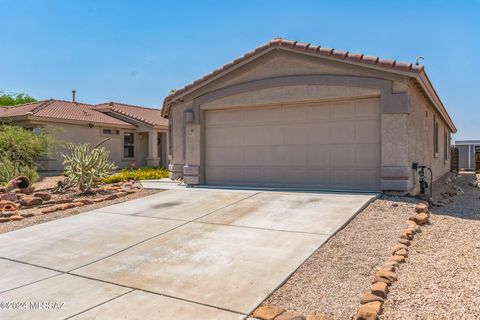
178	254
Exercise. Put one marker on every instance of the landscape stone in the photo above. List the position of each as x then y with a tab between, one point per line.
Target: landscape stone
369	311
31	201
420	218
267	312
379	289
421	207
45	196
369	297
287	315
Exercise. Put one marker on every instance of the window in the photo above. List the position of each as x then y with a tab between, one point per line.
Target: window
128	145
435	137
111	132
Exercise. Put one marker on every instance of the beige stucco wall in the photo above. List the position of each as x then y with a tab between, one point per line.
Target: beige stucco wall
404	135
82	133
420	135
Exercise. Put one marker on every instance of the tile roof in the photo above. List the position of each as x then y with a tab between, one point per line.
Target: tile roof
308	48
59	109
149	116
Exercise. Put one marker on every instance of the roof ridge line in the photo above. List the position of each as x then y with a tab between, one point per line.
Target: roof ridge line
307	48
127	104
42	106
131	116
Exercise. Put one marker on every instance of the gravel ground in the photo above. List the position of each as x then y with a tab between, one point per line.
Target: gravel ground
332	281
51	182
442	277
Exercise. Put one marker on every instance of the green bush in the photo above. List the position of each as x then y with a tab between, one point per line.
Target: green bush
20	147
86	166
146	173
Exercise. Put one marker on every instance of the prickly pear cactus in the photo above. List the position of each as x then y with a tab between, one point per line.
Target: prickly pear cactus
85	166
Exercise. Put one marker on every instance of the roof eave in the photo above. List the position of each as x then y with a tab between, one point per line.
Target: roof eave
427	86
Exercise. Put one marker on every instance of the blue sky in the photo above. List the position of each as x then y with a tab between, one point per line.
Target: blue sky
136	51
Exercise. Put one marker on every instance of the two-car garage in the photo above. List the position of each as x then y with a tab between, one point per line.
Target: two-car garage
328	145
295	115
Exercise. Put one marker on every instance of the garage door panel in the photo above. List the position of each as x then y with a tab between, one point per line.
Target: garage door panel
295	155
253	156
272	115
294	114
273	135
341	178
319	178
273	176
342	111
224	137
318	133
365	109
318	155
342	155
365	178
295	177
253	136
367	155
224	118
331	146
253	176
318	112
253	116
295	134
342	132
366	131
273	155
219	156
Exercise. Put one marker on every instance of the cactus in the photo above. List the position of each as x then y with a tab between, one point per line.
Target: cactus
85	166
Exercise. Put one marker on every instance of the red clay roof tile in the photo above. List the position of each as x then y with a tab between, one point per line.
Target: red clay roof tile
300	46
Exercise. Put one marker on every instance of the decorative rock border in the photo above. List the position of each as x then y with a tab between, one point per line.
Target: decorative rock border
372	302
9	210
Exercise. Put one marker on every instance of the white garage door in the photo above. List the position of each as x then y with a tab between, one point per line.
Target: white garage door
332	145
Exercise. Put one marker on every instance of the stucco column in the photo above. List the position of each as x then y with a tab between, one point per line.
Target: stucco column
193	144
153	160
395	162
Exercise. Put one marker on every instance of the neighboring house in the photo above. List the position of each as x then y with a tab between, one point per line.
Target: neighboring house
291	114
466	153
138	135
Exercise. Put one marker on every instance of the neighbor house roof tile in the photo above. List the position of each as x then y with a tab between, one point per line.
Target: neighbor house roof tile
149	116
63	110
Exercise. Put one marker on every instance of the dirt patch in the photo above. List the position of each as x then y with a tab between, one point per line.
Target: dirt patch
332	281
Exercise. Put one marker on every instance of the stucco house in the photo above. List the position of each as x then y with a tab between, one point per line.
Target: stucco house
291	114
138	135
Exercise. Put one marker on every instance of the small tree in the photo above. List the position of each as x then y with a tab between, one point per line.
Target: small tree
20	147
85	166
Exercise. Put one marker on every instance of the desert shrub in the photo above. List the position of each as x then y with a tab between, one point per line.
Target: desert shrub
146	173
85	166
20	147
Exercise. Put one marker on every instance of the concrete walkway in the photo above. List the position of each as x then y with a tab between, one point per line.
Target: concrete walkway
179	254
